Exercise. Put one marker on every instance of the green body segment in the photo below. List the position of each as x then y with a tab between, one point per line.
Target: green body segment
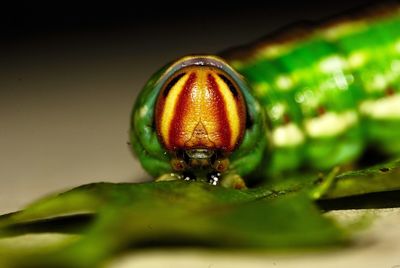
278	106
326	89
373	52
309	99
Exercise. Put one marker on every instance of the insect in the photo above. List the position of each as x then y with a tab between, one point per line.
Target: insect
311	95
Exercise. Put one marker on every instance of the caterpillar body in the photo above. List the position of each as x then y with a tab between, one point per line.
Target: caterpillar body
311	95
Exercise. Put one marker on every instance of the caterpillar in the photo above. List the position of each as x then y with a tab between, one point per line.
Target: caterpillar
312	95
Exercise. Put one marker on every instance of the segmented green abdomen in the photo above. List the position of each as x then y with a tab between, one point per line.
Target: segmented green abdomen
326	89
372	49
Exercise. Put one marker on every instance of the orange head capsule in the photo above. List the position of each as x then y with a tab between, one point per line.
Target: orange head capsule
200	115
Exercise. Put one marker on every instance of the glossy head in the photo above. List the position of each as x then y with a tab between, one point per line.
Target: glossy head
197	115
200	107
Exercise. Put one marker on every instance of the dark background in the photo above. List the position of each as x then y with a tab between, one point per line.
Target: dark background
30	19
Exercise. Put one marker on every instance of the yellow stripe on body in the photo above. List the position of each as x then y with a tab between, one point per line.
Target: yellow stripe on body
231	109
169	107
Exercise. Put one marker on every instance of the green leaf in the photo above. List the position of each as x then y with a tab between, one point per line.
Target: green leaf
379	178
336	184
88	225
111	218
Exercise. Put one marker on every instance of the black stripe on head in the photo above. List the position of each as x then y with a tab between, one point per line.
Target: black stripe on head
249	120
230	85
171	84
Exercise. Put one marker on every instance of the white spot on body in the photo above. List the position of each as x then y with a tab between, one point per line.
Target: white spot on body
340	80
276	112
143	111
330	124
332	64
379	82
357	59
284	82
383	108
287	135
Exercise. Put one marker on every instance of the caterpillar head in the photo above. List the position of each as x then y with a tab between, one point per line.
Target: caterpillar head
197	118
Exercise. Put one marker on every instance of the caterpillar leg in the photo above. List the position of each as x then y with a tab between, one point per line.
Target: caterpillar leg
169	177
228	180
233	180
